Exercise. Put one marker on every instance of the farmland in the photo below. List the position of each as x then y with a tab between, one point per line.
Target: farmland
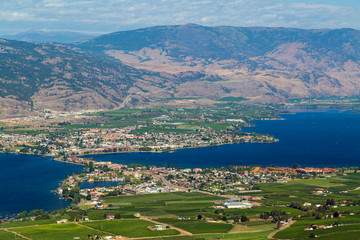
129	228
327	203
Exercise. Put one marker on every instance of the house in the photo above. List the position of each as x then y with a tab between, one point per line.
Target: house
62	221
160	227
108	237
110	217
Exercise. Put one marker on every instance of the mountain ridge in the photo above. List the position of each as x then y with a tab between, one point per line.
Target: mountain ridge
49	36
308	62
150	65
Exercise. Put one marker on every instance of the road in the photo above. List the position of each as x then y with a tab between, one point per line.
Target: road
271	235
182	231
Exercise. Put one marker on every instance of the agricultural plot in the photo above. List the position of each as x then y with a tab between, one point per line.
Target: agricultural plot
229	236
158	205
58	232
145	117
8	236
28	223
323	183
198	226
130	228
303	190
256	211
350	224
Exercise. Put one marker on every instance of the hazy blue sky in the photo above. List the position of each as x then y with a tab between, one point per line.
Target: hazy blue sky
101	16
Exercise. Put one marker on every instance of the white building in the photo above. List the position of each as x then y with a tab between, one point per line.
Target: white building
237	205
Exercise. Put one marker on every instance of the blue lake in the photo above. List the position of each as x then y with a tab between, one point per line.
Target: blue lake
27	181
321	139
85	185
310	138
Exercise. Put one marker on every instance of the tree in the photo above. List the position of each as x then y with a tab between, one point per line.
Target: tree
244	218
91	166
199	217
23	214
296	166
88	197
117	216
336	214
265	215
275	213
323	208
330	201
312	235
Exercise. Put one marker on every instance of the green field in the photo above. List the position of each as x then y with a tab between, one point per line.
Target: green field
303	190
324	183
198	226
129	228
28	223
296	231
232	99
167	207
57	232
159	205
8	236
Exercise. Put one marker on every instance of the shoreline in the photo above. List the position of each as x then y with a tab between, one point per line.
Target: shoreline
55	158
171	150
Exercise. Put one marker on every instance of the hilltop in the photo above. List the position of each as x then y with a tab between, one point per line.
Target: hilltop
188	65
266	64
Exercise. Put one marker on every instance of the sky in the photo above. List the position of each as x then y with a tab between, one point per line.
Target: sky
104	16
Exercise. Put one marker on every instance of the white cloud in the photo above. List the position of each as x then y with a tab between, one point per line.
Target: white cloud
114	15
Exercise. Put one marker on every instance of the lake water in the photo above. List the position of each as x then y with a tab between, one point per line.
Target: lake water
310	138
86	184
26	182
322	138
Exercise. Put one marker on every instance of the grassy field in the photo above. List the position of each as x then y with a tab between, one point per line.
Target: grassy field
57	232
303	190
158	205
8	236
198	226
28	223
324	183
260	235
296	231
232	99
129	228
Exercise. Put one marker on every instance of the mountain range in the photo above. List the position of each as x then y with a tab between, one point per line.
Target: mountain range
179	65
49	36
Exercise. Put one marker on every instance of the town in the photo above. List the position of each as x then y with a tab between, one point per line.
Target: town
109	200
135	179
61	134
